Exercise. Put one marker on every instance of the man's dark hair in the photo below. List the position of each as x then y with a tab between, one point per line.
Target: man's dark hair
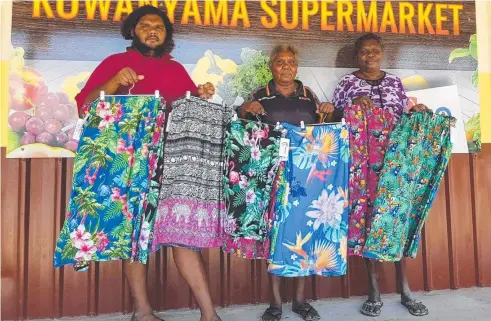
129	25
369	36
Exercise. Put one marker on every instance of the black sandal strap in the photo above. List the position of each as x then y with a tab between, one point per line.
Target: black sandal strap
306	311
273	311
369	304
414	306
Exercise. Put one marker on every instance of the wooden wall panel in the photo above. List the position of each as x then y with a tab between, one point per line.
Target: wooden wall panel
460	214
482	208
436	244
454	251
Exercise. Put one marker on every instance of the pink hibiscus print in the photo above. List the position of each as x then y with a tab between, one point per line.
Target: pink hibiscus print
107	118
102	241
116	194
86	250
79	236
250	196
243	183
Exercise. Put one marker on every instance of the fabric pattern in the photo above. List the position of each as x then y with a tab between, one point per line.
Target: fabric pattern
191	205
309	234
416	160
252	161
150	199
386	93
369	136
110	180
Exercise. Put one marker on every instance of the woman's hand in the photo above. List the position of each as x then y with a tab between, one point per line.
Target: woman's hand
206	91
419	108
364	102
253	107
325	108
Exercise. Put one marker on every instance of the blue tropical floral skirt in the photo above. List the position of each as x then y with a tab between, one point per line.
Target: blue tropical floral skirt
112	204
309	233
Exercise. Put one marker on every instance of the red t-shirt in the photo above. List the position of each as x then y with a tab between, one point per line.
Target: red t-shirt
163	74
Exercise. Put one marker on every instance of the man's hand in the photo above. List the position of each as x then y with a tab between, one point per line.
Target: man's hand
126	77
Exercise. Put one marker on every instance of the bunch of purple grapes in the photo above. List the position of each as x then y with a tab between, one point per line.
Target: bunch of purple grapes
52	124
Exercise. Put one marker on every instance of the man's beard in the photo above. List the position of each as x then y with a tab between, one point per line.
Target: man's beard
145	50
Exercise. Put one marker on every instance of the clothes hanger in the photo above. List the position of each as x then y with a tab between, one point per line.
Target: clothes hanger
102	95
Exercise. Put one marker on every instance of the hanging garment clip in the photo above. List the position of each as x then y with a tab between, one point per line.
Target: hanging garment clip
157	94
79	127
343	121
188	95
102	96
278	126
302	124
234	117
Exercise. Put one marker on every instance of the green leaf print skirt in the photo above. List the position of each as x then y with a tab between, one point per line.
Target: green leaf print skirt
416	160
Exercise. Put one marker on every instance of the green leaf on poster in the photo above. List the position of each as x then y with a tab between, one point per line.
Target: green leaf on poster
458	53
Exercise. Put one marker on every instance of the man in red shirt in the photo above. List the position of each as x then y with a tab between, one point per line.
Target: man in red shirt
147	66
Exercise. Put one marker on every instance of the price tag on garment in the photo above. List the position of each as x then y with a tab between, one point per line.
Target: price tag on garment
78	129
284	148
169	120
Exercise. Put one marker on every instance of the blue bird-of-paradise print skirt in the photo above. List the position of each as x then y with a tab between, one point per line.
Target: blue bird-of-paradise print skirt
309	232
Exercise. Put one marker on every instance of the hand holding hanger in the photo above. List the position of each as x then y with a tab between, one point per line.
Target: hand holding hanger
206	91
420	108
364	102
127	76
252	107
325	108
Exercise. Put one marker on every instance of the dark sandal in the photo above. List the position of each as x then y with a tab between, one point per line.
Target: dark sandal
136	315
372	309
416	308
273	313
306	311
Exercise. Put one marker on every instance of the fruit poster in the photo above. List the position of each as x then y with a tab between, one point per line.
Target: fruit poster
55	45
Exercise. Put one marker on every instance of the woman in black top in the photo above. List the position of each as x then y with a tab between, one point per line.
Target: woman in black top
285	99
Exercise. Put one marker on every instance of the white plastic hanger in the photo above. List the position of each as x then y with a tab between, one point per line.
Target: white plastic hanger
188	95
102	95
302	124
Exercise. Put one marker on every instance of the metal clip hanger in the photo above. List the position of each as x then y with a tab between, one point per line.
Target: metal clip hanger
278	126
102	95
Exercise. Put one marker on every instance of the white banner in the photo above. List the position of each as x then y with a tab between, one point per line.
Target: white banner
445	101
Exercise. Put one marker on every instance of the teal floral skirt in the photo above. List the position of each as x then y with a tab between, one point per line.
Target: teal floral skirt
114	191
416	160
